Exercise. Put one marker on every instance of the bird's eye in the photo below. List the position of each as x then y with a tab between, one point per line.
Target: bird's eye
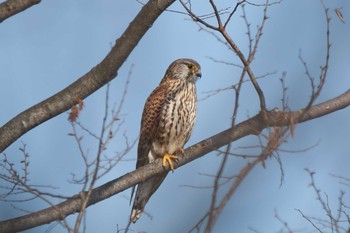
190	66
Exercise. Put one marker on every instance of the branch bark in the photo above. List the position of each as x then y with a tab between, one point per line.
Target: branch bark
12	7
88	83
252	126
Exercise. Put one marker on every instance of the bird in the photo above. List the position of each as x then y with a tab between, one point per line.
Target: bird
167	122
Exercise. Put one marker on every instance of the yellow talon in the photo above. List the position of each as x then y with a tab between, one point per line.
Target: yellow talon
168	159
181	150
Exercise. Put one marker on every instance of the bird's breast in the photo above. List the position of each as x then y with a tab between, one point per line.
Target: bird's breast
177	120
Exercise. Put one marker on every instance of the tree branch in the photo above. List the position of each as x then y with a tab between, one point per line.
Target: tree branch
12	7
90	82
252	126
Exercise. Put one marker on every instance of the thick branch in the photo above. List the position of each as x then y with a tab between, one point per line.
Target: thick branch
90	82
252	126
12	7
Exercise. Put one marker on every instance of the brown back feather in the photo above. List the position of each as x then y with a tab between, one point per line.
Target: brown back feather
149	123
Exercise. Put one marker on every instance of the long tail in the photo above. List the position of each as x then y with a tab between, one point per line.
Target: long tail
135	214
143	193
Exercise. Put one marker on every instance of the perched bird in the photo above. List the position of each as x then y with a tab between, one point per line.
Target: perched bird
167	122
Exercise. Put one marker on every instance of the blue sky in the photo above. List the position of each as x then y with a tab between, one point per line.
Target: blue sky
52	44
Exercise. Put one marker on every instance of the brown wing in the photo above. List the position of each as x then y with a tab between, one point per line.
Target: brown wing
149	126
149	123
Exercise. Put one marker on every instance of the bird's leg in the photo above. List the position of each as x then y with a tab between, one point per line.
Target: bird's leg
181	150
167	158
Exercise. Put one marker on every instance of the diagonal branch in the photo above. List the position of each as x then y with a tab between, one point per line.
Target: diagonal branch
88	83
12	7
221	29
252	126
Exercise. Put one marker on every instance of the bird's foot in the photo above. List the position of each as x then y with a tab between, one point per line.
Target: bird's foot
181	150
167	158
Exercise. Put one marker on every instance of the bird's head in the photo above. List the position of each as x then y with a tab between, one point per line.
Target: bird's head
185	69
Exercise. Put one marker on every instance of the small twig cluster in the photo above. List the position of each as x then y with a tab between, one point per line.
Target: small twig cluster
100	164
336	221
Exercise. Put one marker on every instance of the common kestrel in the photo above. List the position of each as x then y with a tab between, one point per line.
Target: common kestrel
167	122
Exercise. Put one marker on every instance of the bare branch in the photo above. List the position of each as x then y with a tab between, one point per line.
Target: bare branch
284	223
336	220
233	12
11	7
216	12
317	88
339	14
246	62
309	220
196	18
88	83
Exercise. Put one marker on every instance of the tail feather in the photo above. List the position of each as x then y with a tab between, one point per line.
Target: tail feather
144	192
135	215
